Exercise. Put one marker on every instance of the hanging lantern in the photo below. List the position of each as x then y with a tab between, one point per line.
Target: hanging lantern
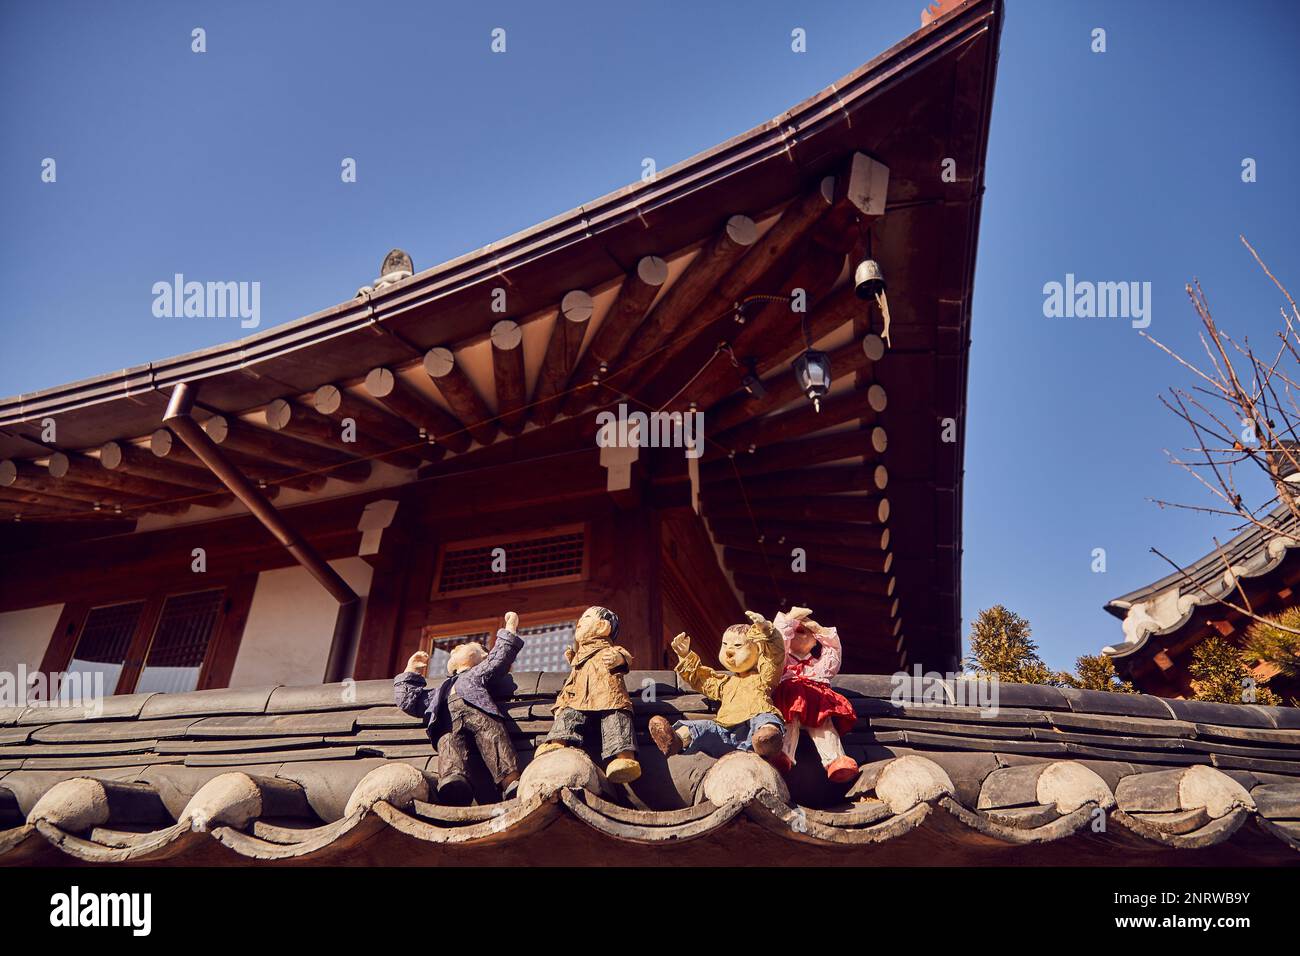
869	283
813	371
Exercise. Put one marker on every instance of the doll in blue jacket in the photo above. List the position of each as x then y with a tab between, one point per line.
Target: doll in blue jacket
461	712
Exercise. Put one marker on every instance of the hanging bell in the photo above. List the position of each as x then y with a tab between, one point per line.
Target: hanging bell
813	372
868	280
869	283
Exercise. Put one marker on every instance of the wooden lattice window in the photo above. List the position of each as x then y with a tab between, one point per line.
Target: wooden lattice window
103	644
180	642
162	642
551	556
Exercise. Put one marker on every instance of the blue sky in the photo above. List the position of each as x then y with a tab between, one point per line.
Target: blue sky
1117	166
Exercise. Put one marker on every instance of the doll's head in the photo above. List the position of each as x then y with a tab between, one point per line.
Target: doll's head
465	656
739	652
803	635
802	639
596	624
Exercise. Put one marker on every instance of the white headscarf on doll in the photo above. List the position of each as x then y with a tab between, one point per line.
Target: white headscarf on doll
828	664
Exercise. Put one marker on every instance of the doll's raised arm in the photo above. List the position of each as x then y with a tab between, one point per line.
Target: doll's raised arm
828	664
703	679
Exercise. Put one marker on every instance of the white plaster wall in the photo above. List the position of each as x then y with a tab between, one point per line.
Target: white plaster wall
25	634
290	625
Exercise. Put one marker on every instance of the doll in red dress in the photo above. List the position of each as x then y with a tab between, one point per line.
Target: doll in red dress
805	697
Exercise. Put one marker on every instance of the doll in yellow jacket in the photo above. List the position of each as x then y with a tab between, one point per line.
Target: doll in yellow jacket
748	719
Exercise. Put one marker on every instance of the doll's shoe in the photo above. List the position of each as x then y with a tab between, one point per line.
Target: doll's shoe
548	747
842	770
622	770
455	792
512	788
767	740
665	738
780	761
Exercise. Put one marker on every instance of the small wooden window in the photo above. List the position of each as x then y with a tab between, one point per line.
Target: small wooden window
103	645
162	643
186	626
551	556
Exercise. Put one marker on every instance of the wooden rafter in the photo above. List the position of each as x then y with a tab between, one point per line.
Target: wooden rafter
85	470
402	400
459	392
635	295
850	508
783	388
508	375
340	404
798	453
561	354
304	422
676	306
165	445
237	434
865	405
131	459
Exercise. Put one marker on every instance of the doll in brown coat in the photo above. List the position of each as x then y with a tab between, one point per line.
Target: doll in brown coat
594	690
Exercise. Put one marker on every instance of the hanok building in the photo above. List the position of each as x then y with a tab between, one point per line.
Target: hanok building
1255	573
252	713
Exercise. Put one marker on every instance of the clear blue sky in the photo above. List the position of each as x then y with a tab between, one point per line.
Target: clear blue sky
1116	166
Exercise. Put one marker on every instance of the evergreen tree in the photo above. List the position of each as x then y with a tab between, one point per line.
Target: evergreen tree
1001	647
1271	645
1219	673
1097	672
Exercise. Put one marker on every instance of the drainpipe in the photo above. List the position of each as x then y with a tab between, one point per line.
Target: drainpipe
179	419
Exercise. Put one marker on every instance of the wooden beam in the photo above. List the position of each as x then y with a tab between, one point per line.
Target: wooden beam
854	508
16	499
87	471
683	297
868	443
558	438
405	402
781	388
863	559
131	459
818	573
832	480
459	392
27	476
812	262
395	432
561	354
772	343
796	219
639	288
864	539
239	435
163	444
304	422
809	593
864	404
508	375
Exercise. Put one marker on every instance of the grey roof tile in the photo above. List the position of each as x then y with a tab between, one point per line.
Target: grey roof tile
276	725
118	707
97	731
243	700
345	695
1126	705
1278	801
271	756
1132	726
1229	715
